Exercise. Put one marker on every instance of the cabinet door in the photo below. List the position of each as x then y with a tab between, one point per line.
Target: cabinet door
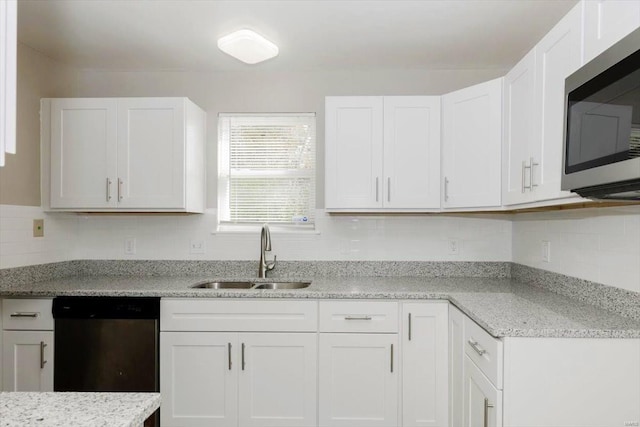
358	380
27	361
151	153
471	147
606	22
558	55
83	153
8	76
456	366
411	152
482	401
198	379
278	379
424	365
519	134
353	150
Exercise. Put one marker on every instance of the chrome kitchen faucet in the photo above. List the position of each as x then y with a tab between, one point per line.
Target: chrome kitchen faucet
265	246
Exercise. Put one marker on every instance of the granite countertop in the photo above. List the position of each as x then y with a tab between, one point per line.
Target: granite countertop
503	307
19	409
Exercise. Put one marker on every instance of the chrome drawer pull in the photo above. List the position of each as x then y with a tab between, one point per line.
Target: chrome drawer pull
357	318
24	314
487	405
42	361
481	351
229	354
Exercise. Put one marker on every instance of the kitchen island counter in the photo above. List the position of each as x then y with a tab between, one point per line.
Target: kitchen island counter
504	307
19	409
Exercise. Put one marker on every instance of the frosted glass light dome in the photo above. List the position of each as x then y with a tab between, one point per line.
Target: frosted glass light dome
247	46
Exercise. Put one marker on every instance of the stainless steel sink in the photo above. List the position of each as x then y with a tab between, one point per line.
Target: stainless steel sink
250	285
223	285
282	285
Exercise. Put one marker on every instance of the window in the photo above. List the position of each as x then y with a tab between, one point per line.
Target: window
267	169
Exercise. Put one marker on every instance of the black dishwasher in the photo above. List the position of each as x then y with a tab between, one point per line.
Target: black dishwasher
107	344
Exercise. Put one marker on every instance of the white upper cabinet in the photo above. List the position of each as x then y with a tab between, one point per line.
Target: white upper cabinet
519	139
558	55
131	154
84	138
353	152
411	152
534	114
606	22
382	152
471	146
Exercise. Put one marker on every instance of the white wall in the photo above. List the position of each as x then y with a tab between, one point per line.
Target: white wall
601	245
260	91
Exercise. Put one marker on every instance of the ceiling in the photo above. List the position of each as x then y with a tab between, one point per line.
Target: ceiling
311	34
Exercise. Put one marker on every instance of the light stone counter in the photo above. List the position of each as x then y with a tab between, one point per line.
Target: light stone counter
20	409
504	307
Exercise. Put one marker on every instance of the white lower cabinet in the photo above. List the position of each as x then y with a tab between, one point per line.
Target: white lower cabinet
27	345
229	378
359	380
278	379
27	361
199	380
424	365
542	382
482	400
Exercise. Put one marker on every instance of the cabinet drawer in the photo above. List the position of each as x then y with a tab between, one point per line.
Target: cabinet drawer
27	314
484	350
238	316
358	316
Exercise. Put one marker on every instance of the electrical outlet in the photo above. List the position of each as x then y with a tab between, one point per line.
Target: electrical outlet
197	247
130	245
546	251
453	246
38	228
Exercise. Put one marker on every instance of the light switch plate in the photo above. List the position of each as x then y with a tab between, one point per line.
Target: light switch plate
130	245
546	251
38	228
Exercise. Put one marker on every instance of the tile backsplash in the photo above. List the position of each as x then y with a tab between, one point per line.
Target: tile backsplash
18	247
338	238
600	245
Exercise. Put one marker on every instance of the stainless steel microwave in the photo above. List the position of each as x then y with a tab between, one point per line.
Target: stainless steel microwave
601	156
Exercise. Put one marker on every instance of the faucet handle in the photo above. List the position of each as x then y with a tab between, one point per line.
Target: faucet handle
272	265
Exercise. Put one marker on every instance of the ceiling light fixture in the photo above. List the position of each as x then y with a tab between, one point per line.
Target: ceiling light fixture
247	46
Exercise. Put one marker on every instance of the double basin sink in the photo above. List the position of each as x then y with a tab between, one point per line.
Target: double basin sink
251	285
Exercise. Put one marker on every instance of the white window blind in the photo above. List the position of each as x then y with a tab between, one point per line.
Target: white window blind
267	169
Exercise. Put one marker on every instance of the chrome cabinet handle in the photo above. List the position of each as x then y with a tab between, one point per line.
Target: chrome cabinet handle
481	351
243	362
532	164
446	189
487	405
24	314
42	361
409	326
120	197
357	317
229	354
388	189
377	189
392	358
108	190
524	176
